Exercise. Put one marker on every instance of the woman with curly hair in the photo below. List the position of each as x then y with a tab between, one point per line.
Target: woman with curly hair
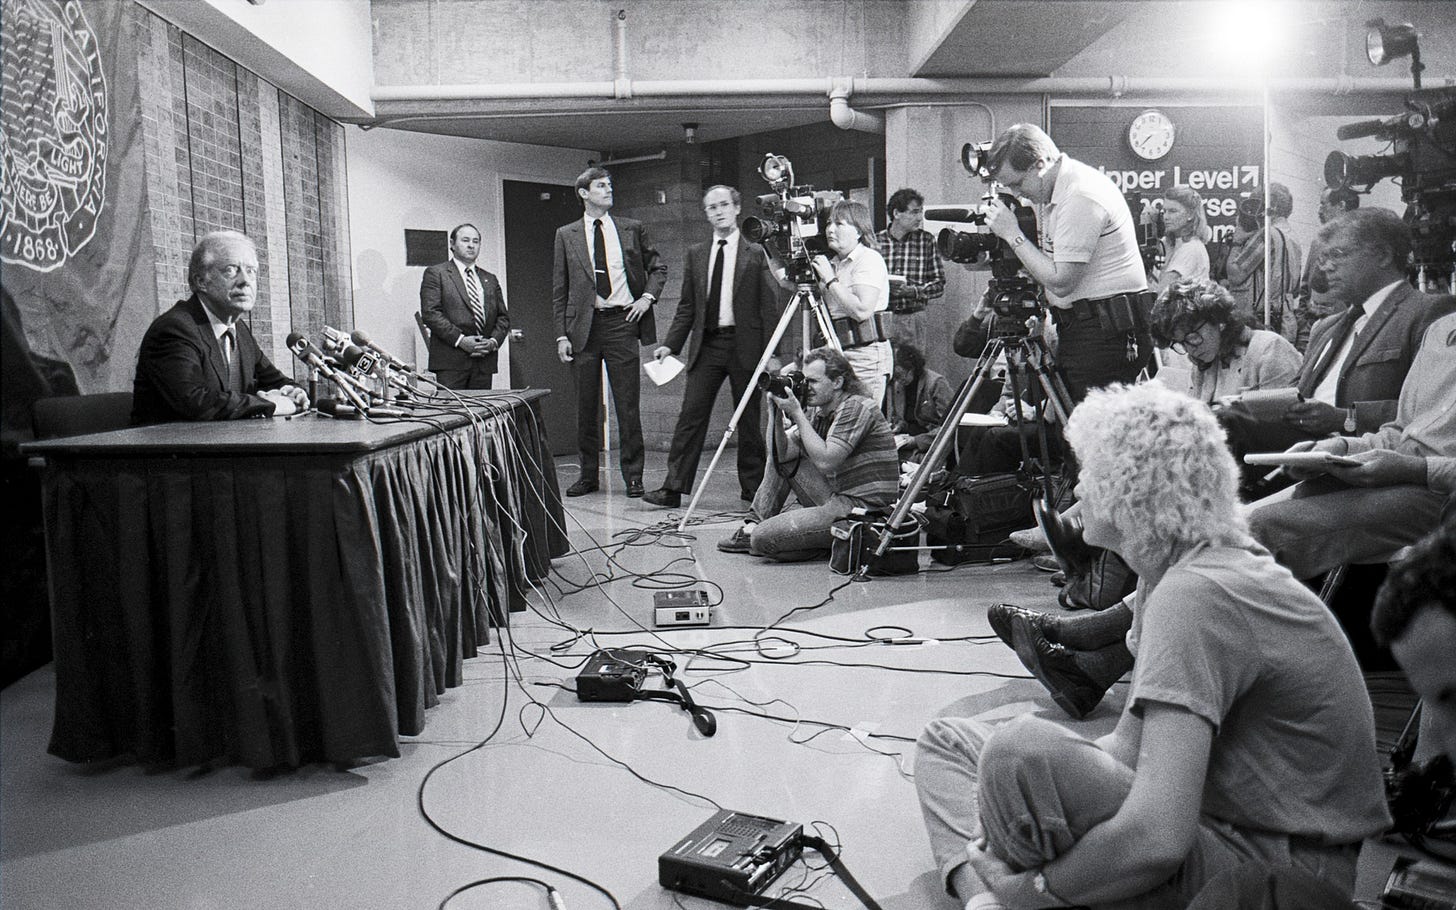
1185	237
1246	734
1227	356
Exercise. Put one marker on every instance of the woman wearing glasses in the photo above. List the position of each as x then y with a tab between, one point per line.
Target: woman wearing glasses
1226	355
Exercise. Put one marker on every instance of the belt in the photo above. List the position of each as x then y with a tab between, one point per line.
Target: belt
612	309
1119	312
856	333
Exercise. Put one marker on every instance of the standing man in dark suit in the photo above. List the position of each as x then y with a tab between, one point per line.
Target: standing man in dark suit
198	361
466	312
606	275
729	307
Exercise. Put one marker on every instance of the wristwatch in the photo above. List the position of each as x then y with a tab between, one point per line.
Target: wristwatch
1349	420
1039	885
1020	239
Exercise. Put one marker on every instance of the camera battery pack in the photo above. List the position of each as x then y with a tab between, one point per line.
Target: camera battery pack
681	608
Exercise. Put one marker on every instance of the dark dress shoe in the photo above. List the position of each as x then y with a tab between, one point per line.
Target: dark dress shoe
1076	680
635	490
582	487
664	497
1064	536
1000	615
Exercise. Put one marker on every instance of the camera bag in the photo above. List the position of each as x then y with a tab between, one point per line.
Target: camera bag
969	518
856	538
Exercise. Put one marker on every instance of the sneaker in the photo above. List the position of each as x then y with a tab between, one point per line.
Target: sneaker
1031	539
740	542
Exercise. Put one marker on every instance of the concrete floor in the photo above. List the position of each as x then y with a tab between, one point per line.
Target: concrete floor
120	836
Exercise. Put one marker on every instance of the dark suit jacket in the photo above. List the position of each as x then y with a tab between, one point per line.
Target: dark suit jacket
1380	357
574	287
181	375
755	303
444	309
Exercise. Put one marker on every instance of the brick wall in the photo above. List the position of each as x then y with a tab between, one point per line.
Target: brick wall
227	150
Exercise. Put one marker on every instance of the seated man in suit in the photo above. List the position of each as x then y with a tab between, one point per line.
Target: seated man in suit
1358	358
198	360
463	306
1404	477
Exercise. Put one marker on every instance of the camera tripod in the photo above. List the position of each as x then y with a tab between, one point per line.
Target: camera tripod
810	305
1027	356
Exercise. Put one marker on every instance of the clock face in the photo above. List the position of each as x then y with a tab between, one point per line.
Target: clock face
1151	135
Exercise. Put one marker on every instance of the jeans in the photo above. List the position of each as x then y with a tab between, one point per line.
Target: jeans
1034	788
797	534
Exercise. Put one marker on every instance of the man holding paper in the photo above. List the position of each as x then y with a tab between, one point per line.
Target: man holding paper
1402	479
729	309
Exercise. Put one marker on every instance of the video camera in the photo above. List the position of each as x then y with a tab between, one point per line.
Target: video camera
1422	157
1011	292
782	385
1148	213
796	215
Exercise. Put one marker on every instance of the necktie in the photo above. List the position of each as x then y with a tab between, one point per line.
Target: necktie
715	283
1349	324
599	256
472	296
234	363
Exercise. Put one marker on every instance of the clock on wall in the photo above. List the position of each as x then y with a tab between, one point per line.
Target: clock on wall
1151	135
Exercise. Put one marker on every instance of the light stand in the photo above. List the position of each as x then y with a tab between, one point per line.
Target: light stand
1026	354
806	302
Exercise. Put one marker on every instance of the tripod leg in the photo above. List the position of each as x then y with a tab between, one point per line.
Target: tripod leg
768	353
944	438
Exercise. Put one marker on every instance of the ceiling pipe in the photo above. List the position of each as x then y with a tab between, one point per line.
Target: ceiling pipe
621	85
655	156
885	89
846	117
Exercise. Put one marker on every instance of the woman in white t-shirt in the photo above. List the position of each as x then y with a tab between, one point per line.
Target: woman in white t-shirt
856	286
1185	233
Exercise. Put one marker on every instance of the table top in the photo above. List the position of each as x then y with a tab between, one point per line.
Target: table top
309	432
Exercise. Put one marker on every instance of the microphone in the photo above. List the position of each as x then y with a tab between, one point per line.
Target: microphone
362	340
360	363
1388	127
334	340
305	350
959	213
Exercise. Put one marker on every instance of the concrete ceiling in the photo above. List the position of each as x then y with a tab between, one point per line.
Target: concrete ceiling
994	37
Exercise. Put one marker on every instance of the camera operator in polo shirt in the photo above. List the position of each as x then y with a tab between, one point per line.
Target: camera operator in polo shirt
1090	267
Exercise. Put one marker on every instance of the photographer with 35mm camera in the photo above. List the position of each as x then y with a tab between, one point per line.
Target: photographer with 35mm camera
1090	267
840	459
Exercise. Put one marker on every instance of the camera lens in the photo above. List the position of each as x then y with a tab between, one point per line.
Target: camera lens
756	229
964	246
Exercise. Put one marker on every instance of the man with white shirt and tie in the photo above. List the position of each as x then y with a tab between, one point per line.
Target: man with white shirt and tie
728	311
606	276
199	360
1357	359
465	311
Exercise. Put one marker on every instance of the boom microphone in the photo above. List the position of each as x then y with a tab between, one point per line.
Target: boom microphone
1391	126
971	214
362	340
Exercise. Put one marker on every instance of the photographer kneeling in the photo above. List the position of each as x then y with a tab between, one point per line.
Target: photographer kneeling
1247	732
841	459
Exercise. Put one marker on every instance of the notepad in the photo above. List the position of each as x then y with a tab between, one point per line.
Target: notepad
983	420
663	371
1306	460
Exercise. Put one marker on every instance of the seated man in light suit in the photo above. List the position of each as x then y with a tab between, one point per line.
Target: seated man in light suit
463	306
198	360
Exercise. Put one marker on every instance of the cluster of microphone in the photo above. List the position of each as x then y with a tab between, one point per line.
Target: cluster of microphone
365	375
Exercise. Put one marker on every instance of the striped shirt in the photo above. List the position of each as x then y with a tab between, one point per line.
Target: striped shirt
870	475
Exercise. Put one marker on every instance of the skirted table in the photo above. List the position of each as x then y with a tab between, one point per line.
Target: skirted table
277	592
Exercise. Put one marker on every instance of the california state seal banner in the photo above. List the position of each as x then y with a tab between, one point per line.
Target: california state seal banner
75	254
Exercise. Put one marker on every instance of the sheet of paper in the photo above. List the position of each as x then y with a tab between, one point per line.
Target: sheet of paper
663	371
982	420
1299	459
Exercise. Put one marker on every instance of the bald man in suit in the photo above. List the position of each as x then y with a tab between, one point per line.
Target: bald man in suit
463	342
606	276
